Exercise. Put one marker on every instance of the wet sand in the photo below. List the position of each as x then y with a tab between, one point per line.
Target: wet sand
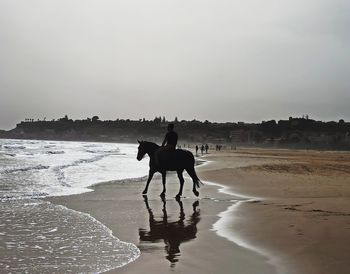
298	222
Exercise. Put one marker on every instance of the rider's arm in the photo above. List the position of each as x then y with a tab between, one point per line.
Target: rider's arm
165	140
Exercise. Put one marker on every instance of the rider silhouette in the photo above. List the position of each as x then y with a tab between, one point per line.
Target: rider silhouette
165	152
171	137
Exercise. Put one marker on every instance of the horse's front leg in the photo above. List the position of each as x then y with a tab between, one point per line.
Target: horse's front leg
181	178
163	181
150	176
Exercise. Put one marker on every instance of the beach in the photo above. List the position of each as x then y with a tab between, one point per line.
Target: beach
244	105
260	211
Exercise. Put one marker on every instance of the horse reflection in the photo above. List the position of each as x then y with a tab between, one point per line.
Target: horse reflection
172	233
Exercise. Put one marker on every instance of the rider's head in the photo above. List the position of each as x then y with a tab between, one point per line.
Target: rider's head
170	126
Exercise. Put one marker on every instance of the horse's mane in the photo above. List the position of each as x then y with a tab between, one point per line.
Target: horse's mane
151	145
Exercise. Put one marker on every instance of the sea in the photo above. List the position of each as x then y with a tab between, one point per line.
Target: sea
37	236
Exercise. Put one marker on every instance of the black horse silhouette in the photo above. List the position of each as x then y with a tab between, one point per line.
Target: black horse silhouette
180	160
172	233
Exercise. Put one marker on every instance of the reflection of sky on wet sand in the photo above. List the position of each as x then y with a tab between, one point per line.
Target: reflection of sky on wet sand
172	230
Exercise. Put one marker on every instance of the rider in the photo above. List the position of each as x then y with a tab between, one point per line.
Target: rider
168	146
171	137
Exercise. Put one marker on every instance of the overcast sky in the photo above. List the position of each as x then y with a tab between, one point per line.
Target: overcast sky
222	60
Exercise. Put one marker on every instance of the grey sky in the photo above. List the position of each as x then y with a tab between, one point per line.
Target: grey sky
221	60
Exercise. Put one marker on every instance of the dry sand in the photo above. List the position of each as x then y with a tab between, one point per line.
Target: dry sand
298	222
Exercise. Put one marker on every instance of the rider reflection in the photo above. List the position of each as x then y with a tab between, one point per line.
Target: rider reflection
172	233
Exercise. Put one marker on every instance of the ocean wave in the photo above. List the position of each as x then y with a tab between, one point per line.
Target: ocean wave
8	154
14	147
39	168
128	180
22	196
90	145
106	151
59	170
49	146
55	152
23	169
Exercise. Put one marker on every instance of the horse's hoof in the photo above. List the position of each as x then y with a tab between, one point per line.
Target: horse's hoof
196	193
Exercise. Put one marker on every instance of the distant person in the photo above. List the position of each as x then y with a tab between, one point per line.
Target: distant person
202	149
196	150
206	148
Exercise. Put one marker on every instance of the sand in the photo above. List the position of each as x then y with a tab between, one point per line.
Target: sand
293	215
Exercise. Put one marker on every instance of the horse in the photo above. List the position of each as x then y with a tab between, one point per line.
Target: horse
180	160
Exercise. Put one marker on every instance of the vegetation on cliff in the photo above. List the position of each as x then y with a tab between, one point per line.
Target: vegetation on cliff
294	132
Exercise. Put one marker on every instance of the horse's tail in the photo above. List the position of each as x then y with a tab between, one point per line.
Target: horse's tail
192	172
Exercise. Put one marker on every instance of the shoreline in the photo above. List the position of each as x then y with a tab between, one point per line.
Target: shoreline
227	218
222	226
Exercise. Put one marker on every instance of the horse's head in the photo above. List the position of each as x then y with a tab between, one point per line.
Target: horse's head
146	148
141	150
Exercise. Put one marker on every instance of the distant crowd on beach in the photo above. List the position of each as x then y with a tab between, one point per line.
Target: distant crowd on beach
204	148
218	147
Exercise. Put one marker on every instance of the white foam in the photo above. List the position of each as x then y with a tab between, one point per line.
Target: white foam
58	168
70	240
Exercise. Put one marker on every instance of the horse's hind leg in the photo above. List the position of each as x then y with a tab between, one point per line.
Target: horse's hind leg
163	181
181	178
150	176
194	177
